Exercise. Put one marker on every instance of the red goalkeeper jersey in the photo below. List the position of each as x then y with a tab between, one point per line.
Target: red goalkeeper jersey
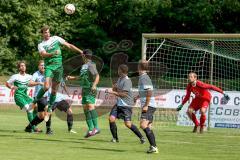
201	91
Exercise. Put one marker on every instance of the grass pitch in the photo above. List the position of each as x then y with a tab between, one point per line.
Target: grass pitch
174	142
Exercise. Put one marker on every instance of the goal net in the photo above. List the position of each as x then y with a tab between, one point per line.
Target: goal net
214	57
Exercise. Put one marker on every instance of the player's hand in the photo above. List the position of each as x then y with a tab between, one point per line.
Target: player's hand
14	87
145	109
94	88
179	107
225	99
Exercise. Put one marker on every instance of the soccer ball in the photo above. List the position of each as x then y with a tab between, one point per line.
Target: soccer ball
69	8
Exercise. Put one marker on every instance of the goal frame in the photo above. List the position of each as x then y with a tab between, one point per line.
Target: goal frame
204	36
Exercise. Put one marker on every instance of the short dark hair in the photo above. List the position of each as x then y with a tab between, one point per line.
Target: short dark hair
20	62
123	68
143	65
44	28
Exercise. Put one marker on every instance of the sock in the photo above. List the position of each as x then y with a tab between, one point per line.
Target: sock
113	129
52	99
89	120
202	120
35	122
136	131
194	119
150	136
30	118
40	94
94	116
48	123
35	113
69	121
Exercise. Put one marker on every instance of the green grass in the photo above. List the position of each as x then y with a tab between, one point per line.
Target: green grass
175	143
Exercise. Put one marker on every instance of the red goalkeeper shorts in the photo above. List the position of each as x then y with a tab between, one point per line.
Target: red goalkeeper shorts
198	103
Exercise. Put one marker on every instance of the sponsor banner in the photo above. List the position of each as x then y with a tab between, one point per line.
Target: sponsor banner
221	116
164	98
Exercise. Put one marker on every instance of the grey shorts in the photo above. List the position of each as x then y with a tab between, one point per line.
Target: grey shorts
122	112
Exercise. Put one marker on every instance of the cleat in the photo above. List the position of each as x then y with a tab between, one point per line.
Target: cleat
195	129
72	131
142	140
115	140
201	129
89	134
152	150
49	132
29	130
96	131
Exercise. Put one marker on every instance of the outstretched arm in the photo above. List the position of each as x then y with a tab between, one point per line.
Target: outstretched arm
209	86
72	47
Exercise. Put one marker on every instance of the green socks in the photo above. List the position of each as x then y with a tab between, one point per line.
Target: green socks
40	94
52	100
89	120
30	117
94	117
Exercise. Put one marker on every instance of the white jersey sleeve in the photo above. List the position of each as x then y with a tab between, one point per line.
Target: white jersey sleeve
40	48
12	79
61	40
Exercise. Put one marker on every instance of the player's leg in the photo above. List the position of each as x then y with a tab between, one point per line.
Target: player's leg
146	125
94	117
52	98
191	113
48	80
88	120
70	120
112	124
127	115
40	117
203	117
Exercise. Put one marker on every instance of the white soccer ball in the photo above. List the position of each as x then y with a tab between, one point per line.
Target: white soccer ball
69	8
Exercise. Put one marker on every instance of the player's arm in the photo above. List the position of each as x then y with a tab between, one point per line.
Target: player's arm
9	83
72	47
209	86
68	78
33	83
65	88
148	97
45	54
186	98
119	93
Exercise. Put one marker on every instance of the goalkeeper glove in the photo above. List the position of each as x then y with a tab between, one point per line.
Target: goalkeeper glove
179	107
225	99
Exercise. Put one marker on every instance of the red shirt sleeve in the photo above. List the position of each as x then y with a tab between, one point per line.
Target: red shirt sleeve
209	86
187	96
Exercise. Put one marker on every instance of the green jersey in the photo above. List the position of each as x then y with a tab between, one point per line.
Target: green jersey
87	73
51	46
20	96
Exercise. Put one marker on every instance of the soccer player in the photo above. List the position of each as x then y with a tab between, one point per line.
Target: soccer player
20	82
50	50
89	78
123	109
62	103
148	104
201	101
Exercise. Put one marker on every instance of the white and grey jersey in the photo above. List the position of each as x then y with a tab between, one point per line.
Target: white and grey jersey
145	84
38	77
125	84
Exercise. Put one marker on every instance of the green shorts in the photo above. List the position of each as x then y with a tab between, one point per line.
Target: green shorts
21	100
55	72
88	97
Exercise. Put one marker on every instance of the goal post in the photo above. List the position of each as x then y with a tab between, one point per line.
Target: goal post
214	57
